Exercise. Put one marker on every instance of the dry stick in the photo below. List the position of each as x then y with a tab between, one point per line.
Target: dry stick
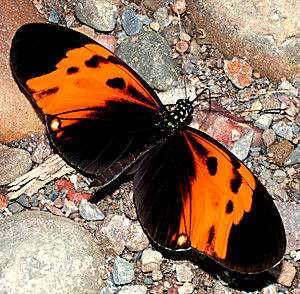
54	167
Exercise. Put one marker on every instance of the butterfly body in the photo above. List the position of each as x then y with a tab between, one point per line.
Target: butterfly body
104	119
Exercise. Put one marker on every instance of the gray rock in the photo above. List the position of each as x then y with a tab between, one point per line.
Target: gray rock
294	157
136	289
162	16
269	137
171	96
110	288
53	17
24	201
113	234
122	272
137	239
150	56
14	163
98	14
151	260
283	130
130	22
15	207
42	253
286	85
279	176
264	121
184	273
90	212
242	146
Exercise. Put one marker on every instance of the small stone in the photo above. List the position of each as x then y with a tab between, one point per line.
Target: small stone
24	201
294	157
184	273
182	46
123	271
41	151
269	137
239	72
271	104
161	15
15	207
171	96
136	289
219	288
137	239
157	275
155	26
130	22
98	14
171	34
256	75
3	203
242	146
276	191
287	274
186	288
271	289
264	121
286	85
54	210
179	6
256	106
53	17
144	19
283	130
113	233
151	260
107	41
90	212
279	176
235	135
14	163
279	151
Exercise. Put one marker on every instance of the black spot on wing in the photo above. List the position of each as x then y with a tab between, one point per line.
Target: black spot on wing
236	182
115	60
235	162
117	83
48	92
72	70
211	236
212	165
229	207
95	61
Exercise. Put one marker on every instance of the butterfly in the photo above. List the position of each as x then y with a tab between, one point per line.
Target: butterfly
190	192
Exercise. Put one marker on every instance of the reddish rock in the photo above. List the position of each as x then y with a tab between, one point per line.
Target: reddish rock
264	32
179	6
239	72
18	118
287	274
54	210
107	41
279	151
3	203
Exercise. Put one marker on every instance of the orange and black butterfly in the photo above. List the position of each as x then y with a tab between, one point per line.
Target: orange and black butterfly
104	119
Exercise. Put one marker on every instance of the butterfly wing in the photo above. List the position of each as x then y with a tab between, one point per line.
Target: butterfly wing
191	192
100	114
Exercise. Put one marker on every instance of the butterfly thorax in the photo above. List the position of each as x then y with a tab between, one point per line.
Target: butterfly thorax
179	117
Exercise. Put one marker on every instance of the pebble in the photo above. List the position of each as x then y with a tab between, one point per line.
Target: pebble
144	19
238	71
287	274
264	121
137	239
53	17
279	151
271	104
286	85
90	212
151	260
110	288
171	96
161	15
182	46
184	273
283	130
171	34
136	289
45	253
276	191
179	6
122	272
41	151
270	289
98	14
24	201
242	146
294	157
15	207
3	203
14	163
186	288
157	275
113	233
131	23
279	176
268	137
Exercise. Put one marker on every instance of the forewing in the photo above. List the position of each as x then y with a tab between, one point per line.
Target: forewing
100	114
191	192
